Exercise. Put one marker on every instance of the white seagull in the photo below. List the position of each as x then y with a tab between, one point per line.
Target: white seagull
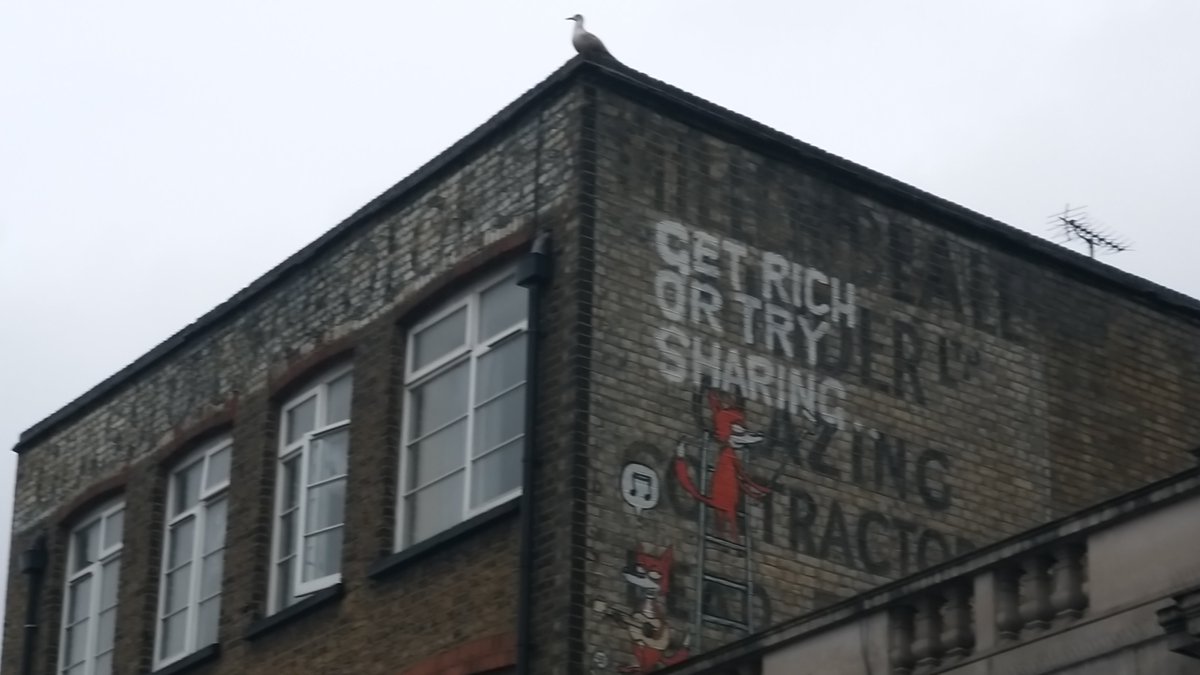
587	44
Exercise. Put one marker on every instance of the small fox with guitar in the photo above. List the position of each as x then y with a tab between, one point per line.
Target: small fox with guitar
654	644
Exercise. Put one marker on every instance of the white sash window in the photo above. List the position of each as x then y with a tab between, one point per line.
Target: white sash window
90	600
464	409
310	494
189	600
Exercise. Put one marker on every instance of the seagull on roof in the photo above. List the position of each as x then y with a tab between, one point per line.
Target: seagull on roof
587	44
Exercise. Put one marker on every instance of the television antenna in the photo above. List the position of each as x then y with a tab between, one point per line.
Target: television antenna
1073	223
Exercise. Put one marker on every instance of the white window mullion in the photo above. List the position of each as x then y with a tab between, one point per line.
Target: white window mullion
193	600
403	491
472	340
301	517
287	559
95	609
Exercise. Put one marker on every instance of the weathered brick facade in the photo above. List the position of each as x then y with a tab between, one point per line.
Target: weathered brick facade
881	380
922	385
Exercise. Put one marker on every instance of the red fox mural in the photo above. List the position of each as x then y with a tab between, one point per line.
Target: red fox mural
653	643
729	478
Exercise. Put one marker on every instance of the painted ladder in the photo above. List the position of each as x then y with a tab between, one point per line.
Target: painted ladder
705	580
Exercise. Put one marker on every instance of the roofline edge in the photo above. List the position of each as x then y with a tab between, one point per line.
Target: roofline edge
388	198
689	105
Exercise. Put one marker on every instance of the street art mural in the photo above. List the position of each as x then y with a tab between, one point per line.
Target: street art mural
654	643
769	356
639	487
729	480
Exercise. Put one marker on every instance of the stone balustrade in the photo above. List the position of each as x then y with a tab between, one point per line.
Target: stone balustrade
1028	595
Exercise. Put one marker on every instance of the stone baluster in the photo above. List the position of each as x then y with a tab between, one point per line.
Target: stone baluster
901	632
1008	619
1068	598
959	635
1036	611
927	647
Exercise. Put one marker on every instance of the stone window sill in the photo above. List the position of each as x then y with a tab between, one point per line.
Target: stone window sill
395	561
196	658
286	615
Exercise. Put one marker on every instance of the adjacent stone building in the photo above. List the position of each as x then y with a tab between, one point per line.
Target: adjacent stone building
750	378
1111	590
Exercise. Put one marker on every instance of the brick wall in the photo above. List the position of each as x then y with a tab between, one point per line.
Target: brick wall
349	302
907	386
921	387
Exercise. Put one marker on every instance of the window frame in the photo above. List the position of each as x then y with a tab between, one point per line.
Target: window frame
101	517
199	511
470	351
300	451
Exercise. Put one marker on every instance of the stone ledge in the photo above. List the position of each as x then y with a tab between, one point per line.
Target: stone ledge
196	658
267	624
395	561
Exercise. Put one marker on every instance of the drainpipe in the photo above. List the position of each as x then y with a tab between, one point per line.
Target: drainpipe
532	273
33	563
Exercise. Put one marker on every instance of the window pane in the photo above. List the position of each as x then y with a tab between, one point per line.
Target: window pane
218	468
497	473
290	479
439	339
326	506
437	455
210	579
500	307
322	554
214	526
439	400
208	621
81	599
107	627
174	635
287	534
183	539
435	508
114	529
187	487
283	579
179	584
337	407
328	456
103	664
300	419
87	545
500	368
499	421
77	642
109	576
80	669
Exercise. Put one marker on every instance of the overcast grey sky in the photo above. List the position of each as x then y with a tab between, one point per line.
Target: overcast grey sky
155	157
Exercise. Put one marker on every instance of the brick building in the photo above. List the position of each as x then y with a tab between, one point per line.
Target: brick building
754	378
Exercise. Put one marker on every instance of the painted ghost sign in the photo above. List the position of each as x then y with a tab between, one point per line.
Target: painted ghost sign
781	468
790	313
